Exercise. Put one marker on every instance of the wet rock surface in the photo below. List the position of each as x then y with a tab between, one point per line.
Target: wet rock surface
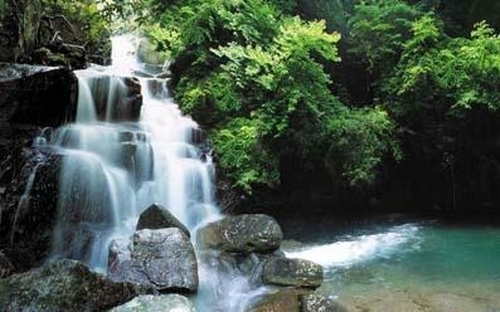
6	268
242	234
292	272
65	286
158	217
29	209
32	98
316	302
163	259
164	303
284	300
126	103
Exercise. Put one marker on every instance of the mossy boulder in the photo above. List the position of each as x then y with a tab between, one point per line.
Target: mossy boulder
65	286
242	234
292	272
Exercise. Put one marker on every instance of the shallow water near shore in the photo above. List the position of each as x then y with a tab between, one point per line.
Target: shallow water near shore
409	266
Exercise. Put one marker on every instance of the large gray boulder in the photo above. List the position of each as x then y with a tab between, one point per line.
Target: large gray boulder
292	272
242	234
164	303
120	253
162	258
65	286
158	217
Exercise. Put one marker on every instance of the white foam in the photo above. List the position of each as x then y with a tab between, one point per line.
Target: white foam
346	253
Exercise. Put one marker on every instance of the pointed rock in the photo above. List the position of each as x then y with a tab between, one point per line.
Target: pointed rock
292	272
158	217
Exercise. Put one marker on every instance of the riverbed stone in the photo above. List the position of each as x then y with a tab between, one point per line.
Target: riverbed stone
158	217
65	285
162	258
292	272
284	300
164	303
242	234
316	302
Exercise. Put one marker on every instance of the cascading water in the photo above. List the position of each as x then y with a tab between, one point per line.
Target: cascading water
115	166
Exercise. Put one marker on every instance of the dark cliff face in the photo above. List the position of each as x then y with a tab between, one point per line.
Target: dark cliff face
31	99
37	95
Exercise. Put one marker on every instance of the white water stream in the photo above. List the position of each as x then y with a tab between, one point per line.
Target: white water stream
114	168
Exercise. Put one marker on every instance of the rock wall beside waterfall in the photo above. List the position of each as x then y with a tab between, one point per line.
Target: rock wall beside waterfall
31	99
37	95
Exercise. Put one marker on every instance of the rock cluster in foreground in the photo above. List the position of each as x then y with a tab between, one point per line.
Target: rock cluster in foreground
248	245
157	268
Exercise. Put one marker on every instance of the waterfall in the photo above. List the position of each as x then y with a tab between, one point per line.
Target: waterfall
116	164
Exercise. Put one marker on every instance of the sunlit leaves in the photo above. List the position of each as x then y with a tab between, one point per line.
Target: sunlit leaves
242	155
257	79
465	72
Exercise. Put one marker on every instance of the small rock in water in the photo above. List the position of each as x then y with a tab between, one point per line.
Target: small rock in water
292	272
285	300
315	302
163	303
158	217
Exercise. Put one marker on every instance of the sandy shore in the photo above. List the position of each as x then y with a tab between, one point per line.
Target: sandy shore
466	300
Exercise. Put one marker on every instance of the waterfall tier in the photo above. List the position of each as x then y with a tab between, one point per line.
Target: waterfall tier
129	148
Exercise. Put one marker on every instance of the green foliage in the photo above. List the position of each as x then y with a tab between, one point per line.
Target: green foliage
334	12
256	77
378	29
373	132
243	156
84	15
463	73
3	6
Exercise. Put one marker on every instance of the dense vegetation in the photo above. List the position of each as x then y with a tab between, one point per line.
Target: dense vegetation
386	98
325	100
32	31
257	78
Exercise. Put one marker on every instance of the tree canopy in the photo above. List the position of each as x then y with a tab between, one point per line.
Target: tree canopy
353	94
